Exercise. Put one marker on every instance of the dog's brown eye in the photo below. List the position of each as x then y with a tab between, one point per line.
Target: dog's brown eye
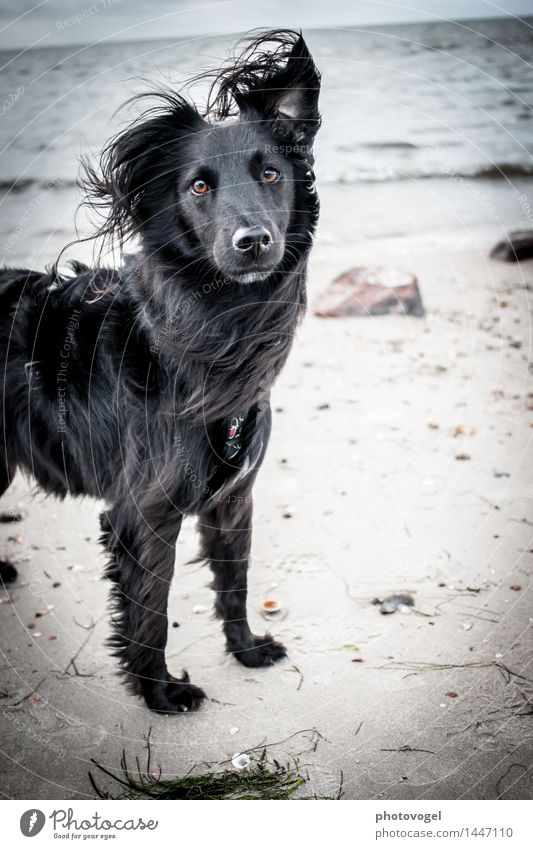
199	187
270	175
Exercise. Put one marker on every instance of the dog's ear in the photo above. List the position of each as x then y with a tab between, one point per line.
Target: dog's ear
289	96
134	165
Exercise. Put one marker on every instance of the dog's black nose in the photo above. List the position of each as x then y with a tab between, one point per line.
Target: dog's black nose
252	241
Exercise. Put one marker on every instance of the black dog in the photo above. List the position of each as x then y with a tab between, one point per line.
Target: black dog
149	386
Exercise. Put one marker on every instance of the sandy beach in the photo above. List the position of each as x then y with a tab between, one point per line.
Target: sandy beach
366	490
401	452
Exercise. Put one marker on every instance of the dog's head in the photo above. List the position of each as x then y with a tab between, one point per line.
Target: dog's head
231	190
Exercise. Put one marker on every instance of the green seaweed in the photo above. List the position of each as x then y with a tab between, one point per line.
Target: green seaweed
262	779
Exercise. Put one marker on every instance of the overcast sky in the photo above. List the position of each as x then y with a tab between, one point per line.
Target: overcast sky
24	23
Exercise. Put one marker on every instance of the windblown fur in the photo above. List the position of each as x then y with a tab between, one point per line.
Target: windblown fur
120	384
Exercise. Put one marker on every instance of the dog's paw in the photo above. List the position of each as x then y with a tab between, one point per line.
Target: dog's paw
175	695
263	651
8	573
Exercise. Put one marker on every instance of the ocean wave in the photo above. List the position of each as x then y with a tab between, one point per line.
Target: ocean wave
16	184
378	145
368	173
390	145
386	173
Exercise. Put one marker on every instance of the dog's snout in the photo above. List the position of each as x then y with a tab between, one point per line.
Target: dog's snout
252	241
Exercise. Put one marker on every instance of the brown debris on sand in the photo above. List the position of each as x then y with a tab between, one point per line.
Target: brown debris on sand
517	245
373	290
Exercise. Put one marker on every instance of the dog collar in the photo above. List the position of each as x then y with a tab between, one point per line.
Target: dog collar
232	445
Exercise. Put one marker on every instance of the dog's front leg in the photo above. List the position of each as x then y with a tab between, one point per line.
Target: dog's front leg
142	549
226	534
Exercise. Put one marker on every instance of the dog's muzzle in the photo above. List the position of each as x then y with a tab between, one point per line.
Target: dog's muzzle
252	242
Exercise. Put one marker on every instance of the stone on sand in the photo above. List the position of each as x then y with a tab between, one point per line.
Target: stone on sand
369	291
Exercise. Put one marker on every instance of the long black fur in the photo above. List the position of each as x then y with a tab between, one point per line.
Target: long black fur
121	384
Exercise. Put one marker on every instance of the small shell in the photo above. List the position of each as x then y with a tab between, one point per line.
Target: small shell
270	606
241	761
463	430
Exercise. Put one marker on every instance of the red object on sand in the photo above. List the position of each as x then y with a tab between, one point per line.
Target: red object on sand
371	291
